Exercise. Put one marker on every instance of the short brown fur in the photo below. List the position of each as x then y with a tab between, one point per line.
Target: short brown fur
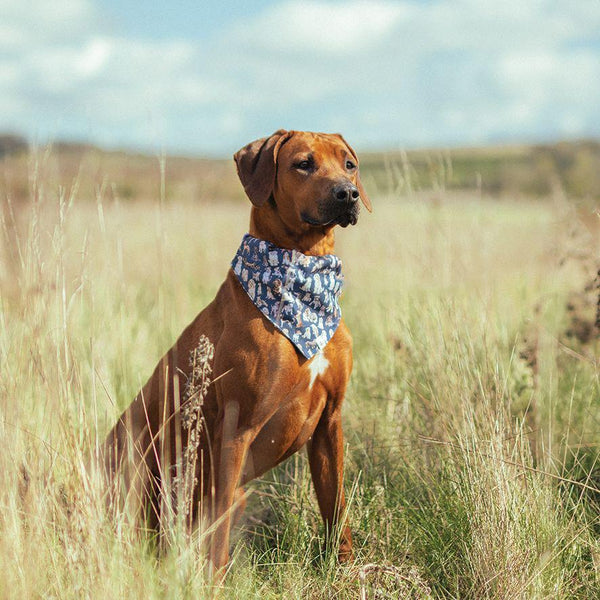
263	408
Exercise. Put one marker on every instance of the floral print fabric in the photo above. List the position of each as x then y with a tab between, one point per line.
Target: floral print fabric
297	293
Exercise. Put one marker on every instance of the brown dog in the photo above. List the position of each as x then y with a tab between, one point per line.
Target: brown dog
267	400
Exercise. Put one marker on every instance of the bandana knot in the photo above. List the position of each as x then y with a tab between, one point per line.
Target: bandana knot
297	293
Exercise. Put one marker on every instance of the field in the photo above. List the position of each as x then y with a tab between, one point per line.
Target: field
472	421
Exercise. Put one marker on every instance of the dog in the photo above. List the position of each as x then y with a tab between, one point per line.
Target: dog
282	354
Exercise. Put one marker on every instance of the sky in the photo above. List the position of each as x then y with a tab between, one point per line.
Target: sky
204	77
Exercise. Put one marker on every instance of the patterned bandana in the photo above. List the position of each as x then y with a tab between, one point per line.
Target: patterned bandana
297	293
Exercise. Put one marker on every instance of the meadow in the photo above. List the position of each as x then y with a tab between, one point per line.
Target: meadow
472	421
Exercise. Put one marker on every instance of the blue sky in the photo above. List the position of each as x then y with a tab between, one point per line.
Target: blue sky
206	77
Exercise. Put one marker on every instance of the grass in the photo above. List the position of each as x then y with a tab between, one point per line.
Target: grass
522	171
472	420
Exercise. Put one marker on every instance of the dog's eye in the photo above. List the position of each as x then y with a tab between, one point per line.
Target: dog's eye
350	165
305	165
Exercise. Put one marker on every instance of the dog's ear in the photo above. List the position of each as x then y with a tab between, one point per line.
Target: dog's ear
257	164
359	185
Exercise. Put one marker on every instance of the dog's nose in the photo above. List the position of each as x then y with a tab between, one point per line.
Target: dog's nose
346	192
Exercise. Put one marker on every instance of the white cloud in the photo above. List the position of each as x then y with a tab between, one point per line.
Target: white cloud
39	22
312	26
385	72
93	57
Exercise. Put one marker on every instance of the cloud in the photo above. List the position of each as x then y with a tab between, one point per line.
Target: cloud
316	27
39	23
384	72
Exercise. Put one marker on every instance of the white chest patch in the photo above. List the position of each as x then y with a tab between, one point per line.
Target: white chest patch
318	365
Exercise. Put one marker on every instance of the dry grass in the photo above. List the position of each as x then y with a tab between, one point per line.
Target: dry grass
472	418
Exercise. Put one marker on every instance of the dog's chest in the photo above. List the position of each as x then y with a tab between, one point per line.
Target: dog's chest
304	400
317	367
293	423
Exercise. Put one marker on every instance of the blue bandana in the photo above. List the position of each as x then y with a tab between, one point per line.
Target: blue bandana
297	293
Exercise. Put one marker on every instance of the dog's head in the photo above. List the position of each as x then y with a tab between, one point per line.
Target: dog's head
311	179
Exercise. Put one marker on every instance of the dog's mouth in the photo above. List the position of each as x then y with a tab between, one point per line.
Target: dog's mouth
343	218
347	219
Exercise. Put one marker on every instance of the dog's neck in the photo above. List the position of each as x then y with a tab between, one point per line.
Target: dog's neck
266	224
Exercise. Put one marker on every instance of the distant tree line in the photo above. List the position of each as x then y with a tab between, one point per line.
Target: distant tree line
12	144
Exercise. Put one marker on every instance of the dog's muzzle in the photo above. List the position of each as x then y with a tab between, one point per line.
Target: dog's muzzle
341	208
345	202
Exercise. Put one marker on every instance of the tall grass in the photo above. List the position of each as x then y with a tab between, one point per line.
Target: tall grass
472	420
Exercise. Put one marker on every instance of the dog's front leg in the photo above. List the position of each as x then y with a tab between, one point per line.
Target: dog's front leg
326	457
231	448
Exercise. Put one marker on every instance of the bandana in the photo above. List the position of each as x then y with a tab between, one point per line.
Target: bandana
297	293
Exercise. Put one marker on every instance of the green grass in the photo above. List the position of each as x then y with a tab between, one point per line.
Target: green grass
472	421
